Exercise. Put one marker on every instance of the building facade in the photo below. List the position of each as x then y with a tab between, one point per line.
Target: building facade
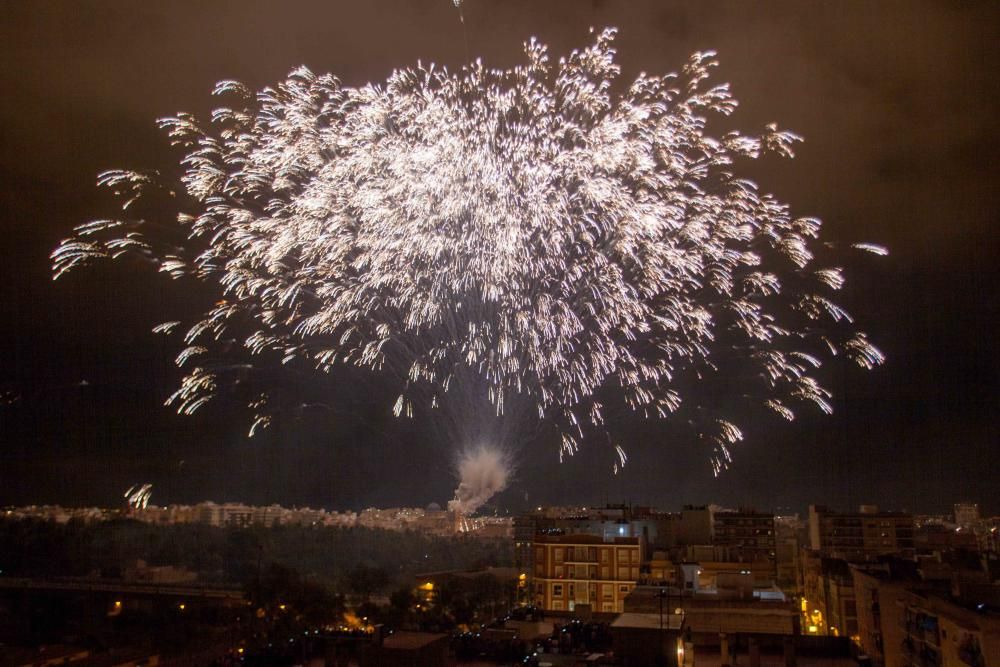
878	592
829	606
862	535
571	570
938	632
966	514
747	536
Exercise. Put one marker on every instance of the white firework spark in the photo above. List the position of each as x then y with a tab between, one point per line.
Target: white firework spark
138	496
526	231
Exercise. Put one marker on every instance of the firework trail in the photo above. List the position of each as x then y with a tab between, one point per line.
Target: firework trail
522	235
138	496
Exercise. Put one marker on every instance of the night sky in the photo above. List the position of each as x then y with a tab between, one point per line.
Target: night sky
898	104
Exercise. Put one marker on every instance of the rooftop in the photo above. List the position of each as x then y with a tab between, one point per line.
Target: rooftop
408	641
584	539
649	621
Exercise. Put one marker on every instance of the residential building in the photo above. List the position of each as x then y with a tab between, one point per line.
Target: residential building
878	591
786	565
829	606
966	514
747	533
694	525
940	631
584	569
862	535
524	555
609	522
707	613
641	639
932	537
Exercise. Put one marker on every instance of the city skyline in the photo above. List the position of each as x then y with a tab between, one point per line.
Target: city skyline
883	161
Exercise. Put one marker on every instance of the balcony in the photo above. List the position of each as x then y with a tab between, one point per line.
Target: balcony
970	653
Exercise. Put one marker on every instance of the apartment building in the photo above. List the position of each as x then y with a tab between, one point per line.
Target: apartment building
939	631
572	570
862	535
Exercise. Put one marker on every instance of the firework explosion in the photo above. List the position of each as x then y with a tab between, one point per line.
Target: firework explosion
521	235
483	472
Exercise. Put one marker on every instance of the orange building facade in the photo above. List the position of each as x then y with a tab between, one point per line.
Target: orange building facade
572	570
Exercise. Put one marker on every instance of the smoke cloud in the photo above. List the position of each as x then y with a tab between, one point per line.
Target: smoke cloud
482	472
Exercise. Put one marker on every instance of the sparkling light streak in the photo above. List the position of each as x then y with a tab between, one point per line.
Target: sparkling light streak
137	496
524	231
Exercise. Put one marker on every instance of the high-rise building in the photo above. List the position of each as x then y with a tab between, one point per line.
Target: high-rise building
860	536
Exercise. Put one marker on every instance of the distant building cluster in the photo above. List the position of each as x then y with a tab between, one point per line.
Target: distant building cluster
431	520
60	514
887	589
903	589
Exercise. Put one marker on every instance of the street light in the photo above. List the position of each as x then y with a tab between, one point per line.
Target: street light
661	594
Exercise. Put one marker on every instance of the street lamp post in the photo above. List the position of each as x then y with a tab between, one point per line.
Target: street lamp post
662	593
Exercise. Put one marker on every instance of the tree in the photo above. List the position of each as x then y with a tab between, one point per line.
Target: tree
364	580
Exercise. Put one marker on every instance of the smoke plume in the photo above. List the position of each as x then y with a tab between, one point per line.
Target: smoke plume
482	473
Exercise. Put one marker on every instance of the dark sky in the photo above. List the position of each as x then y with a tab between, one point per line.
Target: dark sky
897	101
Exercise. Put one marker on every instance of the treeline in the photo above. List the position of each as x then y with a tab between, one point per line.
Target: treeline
333	557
